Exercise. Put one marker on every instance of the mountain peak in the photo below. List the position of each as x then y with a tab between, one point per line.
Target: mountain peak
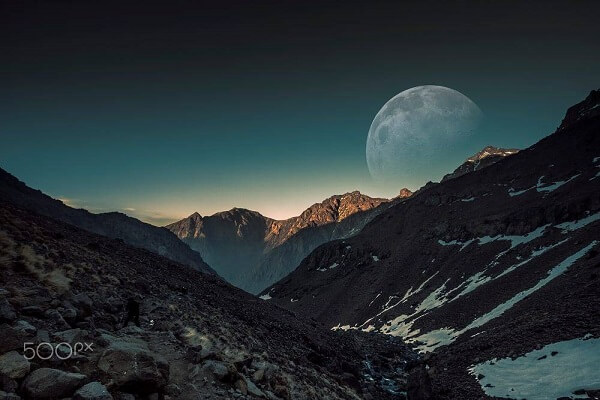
404	193
484	158
491	151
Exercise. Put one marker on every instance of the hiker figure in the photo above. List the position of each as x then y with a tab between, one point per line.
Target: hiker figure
133	312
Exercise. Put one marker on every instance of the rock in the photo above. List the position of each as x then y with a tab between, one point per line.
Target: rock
26	327
208	354
54	316
48	383
14	365
71	336
253	389
281	391
42	336
7	384
173	389
132	366
7	312
217	369
32	311
258	375
124	396
69	314
92	391
9	396
83	303
12	339
242	386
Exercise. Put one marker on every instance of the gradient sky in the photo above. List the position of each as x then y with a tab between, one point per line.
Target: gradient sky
160	110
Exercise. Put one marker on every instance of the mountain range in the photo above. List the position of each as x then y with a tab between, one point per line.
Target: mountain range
252	251
498	263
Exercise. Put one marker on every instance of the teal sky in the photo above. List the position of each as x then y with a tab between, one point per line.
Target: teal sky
159	112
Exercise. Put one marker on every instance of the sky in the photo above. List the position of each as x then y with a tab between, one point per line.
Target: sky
162	109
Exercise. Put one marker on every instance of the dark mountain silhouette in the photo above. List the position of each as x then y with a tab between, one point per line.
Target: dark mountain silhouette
114	225
493	263
252	251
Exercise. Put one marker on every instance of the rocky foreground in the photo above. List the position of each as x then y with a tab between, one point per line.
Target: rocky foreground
199	338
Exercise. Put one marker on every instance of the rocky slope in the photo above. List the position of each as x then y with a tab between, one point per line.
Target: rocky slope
114	224
499	263
199	337
252	251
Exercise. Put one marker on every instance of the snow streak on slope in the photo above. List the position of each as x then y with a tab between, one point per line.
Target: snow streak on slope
555	371
515	240
542	187
444	336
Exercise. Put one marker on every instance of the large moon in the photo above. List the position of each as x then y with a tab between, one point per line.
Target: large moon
416	128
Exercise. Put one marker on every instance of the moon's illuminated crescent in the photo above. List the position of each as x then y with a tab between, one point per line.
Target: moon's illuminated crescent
416	126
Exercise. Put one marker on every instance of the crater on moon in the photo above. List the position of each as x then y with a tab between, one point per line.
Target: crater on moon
417	127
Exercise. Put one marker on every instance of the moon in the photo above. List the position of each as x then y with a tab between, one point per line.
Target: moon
416	128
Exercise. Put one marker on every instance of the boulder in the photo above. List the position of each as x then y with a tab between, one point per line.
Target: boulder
54	316
7	384
92	391
242	386
14	365
11	338
9	396
7	312
258	375
132	366
25	327
48	383
253	389
83	304
71	336
216	369
68	313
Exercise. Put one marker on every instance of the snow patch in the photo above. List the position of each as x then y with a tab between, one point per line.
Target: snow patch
468	200
515	240
555	185
580	223
328	268
375	258
541	187
541	375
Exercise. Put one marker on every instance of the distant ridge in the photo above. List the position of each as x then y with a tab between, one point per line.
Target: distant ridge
252	251
113	224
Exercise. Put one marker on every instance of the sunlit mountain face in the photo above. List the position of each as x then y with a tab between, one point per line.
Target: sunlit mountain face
299	200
